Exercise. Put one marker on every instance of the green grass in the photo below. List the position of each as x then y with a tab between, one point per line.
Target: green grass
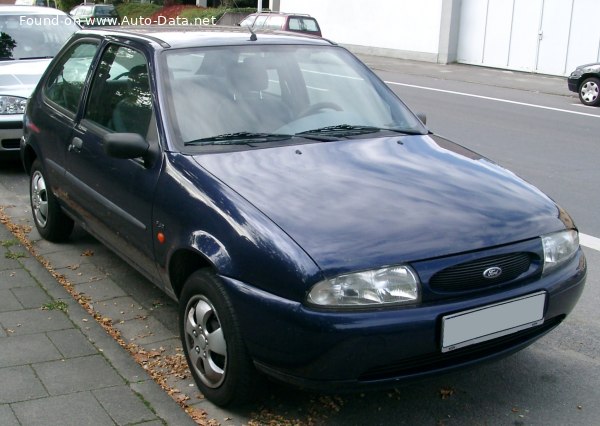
192	14
9	243
55	305
14	256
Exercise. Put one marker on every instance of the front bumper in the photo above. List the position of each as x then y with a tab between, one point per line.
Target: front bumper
333	350
573	83
11	131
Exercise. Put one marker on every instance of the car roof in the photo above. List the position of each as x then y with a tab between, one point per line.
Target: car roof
177	36
11	9
304	15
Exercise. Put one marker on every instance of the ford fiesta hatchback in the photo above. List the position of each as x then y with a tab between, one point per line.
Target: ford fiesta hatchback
310	226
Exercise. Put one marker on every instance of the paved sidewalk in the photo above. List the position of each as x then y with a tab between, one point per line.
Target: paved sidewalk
538	83
57	365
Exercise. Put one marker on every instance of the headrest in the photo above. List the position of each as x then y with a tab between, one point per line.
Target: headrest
250	75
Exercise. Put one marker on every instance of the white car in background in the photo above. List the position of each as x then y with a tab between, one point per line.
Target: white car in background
30	36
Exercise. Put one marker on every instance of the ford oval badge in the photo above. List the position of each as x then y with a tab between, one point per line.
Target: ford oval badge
493	272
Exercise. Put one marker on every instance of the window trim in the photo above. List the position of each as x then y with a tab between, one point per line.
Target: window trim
106	45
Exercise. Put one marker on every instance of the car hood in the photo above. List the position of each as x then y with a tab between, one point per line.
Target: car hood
593	67
359	204
19	78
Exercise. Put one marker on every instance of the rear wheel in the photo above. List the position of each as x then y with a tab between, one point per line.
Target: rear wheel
212	342
51	222
589	91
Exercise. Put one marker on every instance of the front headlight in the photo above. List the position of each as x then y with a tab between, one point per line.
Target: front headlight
392	285
12	105
559	247
576	74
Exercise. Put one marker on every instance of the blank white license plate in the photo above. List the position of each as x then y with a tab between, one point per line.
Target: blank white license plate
488	322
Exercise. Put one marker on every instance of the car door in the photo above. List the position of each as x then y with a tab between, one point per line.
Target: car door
114	195
61	96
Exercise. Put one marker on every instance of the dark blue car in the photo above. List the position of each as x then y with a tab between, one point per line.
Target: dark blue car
310	226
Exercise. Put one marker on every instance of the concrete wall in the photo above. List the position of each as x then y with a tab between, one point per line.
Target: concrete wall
423	30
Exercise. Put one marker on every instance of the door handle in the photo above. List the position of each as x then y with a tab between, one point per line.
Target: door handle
75	145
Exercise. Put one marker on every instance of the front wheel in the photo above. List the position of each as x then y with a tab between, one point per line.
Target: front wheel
51	222
212	342
589	92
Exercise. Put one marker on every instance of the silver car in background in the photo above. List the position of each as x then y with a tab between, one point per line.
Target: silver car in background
30	36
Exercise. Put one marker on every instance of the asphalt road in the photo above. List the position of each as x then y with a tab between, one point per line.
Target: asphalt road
556	381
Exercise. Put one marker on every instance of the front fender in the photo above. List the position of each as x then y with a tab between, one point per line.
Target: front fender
197	213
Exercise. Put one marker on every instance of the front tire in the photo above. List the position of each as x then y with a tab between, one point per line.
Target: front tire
589	91
212	342
51	222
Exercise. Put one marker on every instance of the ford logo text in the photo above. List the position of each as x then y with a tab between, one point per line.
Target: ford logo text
493	272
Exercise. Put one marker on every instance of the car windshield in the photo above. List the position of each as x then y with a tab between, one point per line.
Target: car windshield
33	36
235	94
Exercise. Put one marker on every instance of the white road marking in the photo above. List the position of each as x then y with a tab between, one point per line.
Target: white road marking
589	241
493	99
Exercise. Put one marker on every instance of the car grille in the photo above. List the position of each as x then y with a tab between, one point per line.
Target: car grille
439	361
470	275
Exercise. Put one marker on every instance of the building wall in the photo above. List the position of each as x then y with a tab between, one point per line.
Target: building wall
407	29
542	36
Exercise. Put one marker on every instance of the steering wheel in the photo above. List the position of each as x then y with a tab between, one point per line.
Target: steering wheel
123	74
314	108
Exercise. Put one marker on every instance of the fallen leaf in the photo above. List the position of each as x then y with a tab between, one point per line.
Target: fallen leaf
446	393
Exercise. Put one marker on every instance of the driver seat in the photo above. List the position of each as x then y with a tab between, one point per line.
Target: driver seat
132	114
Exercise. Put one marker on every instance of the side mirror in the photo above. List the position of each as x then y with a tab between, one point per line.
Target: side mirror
125	145
421	116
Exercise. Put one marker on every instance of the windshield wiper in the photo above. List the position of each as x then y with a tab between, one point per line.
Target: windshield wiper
345	130
239	138
339	130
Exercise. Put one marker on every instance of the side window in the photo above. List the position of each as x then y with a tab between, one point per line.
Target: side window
275	22
120	99
66	81
260	21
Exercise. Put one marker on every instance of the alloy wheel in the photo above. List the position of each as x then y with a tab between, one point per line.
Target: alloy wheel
205	342
39	198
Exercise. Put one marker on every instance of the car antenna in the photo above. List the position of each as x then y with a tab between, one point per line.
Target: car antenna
253	36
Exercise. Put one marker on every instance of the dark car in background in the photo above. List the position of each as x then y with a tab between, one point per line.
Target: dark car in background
30	36
585	81
90	15
326	242
294	22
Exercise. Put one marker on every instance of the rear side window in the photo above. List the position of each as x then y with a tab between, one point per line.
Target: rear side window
298	23
275	22
66	81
